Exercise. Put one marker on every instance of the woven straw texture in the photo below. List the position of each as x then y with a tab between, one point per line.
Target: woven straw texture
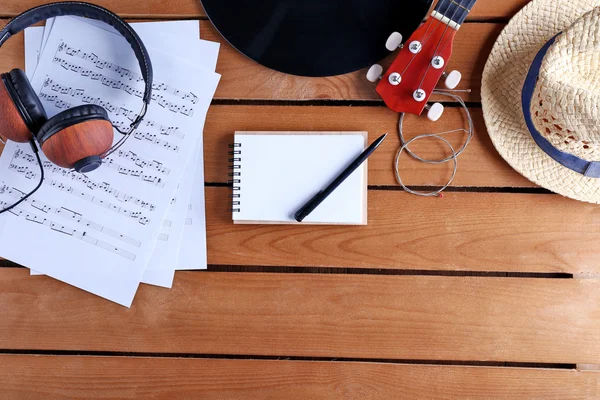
568	90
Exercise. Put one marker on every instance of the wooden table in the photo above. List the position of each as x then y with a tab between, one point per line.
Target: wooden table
490	292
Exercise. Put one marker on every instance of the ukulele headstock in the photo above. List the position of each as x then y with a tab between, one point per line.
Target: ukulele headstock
409	82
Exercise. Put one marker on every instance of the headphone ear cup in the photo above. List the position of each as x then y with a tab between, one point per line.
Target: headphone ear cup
27	104
77	138
16	122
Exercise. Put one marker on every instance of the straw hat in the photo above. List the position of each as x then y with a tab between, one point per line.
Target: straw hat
541	96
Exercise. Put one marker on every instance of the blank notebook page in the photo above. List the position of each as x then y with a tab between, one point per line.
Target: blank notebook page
280	173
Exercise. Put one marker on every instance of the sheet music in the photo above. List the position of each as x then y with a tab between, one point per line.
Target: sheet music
131	199
184	30
33	39
173	37
179	37
160	269
192	252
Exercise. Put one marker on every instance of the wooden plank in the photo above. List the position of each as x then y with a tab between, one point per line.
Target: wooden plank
193	9
125	8
242	78
355	316
480	165
500	10
461	231
52	377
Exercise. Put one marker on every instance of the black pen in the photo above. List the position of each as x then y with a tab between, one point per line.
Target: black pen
323	194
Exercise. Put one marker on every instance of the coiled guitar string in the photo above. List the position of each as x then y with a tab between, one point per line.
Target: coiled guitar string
454	154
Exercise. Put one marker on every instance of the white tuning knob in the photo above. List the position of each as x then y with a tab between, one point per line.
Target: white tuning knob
394	41
374	73
434	111
395	78
452	79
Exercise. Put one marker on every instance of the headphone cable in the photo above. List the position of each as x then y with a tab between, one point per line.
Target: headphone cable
134	125
39	160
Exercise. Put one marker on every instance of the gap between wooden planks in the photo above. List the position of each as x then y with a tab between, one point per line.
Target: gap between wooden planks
351	316
58	377
461	231
479	166
483	9
243	78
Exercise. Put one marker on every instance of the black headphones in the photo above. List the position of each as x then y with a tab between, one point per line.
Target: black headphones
78	137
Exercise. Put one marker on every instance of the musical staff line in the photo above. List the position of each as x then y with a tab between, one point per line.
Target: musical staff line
92	199
69	91
81	235
69	214
140	162
99	63
154	139
109	162
103	186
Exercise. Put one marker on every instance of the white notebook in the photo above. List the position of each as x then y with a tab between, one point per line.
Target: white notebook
276	173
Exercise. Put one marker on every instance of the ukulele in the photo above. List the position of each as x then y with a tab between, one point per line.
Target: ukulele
409	82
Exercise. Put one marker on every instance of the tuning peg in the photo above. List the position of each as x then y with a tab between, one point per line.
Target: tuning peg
394	41
374	73
452	79
415	47
434	111
395	78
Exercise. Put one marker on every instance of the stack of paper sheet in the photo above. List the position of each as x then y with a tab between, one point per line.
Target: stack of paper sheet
140	216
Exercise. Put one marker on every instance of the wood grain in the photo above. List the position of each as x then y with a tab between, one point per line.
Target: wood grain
51	377
461	231
137	9
484	9
76	142
479	166
243	78
13	125
355	316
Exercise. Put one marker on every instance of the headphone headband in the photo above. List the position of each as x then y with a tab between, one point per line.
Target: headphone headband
81	9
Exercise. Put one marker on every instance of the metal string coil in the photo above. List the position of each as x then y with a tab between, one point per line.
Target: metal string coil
454	154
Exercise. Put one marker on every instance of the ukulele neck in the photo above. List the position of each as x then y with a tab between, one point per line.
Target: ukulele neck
453	12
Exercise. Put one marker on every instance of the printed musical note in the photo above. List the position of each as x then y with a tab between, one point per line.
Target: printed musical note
165	130
109	162
152	138
27	157
114	110
136	173
57	227
140	162
123	72
69	214
129	89
115	84
103	186
25	171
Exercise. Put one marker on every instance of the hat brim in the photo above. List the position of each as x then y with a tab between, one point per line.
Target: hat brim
502	83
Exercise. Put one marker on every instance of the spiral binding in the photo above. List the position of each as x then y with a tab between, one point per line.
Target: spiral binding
236	174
